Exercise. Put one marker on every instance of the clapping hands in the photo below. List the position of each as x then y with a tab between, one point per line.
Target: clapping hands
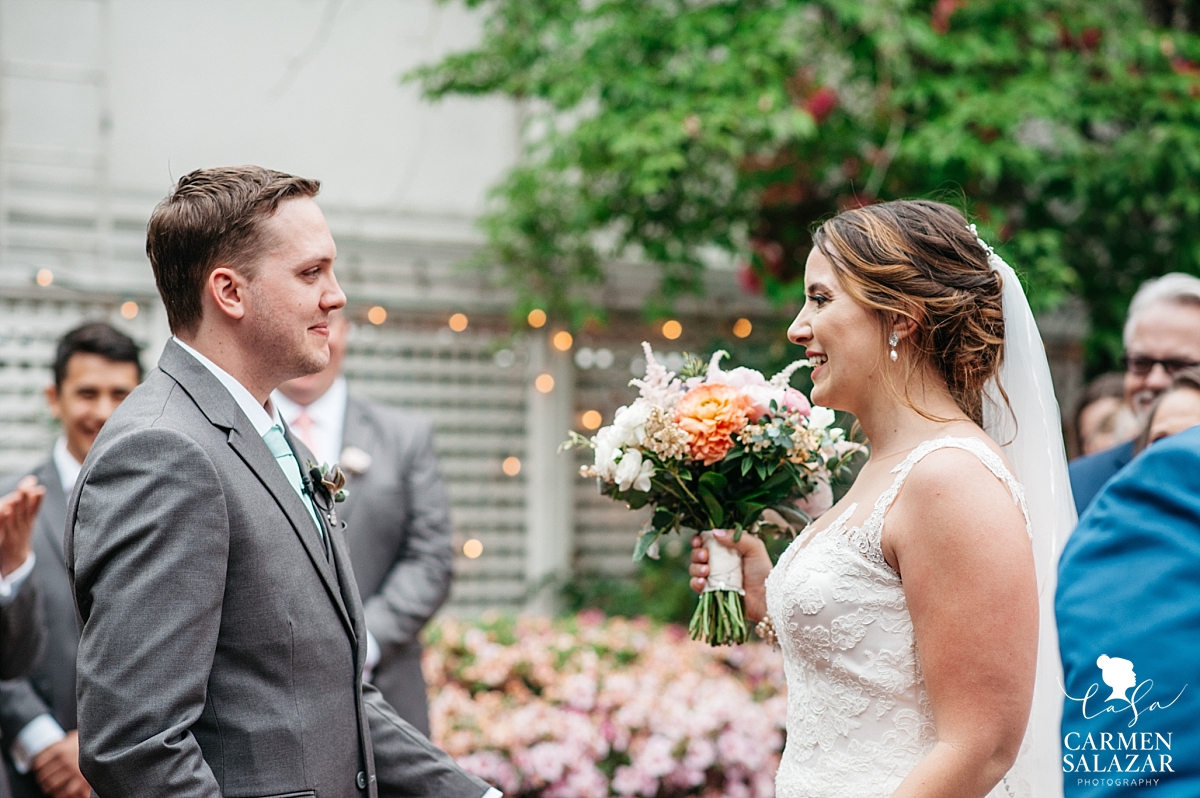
18	510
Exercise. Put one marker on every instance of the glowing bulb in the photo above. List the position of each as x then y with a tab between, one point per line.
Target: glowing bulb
44	277
511	466
591	419
377	315
472	549
129	309
563	341
536	317
742	328
458	322
544	383
672	330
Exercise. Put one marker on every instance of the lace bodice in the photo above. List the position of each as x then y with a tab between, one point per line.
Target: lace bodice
858	717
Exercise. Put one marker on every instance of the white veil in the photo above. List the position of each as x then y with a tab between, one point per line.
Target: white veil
1031	438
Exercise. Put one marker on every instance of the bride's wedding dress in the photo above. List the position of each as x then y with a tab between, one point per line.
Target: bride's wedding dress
859	718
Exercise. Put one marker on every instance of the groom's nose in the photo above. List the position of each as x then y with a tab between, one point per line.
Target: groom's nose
333	298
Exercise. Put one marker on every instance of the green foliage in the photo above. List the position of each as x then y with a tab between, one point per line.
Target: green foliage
670	130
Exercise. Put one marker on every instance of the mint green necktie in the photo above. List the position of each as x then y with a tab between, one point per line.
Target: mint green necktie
291	469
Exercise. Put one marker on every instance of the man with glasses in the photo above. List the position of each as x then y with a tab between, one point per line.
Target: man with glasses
1162	337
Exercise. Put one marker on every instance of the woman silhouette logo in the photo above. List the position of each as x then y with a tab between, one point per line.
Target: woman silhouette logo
1117	674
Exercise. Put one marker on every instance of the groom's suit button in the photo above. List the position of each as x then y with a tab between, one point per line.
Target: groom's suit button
361	780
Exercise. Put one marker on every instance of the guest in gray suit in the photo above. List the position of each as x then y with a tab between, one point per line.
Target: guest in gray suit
22	631
95	368
397	516
222	636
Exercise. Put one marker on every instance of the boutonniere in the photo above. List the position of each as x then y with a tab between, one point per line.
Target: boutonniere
328	486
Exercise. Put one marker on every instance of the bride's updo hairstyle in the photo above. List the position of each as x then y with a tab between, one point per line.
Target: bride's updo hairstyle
918	260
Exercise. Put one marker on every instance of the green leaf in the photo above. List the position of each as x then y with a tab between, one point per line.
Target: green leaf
713	481
747	464
663	519
716	513
635	498
644	542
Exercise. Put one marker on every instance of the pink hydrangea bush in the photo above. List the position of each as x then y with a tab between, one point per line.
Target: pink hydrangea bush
589	706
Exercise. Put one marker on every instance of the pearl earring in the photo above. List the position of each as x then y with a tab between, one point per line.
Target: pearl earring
893	339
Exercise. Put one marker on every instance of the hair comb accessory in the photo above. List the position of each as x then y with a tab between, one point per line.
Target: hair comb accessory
982	243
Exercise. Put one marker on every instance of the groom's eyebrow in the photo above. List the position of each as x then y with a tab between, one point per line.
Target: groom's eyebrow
817	287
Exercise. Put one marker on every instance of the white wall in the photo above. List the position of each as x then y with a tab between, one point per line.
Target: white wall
106	102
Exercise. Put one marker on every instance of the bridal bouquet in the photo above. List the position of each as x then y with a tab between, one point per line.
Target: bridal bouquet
712	449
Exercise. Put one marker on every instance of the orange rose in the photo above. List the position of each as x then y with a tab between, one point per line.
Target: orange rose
711	415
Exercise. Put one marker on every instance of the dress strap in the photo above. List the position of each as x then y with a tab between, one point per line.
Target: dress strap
990	459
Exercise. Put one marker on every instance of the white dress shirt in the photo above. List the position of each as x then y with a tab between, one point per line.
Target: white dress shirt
328	414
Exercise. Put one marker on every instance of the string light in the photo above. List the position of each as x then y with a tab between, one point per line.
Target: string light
377	315
458	322
742	328
591	419
536	318
511	466
129	309
544	383
472	549
563	340
44	277
672	329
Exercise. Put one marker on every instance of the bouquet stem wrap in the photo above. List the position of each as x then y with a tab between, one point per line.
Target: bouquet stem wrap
720	617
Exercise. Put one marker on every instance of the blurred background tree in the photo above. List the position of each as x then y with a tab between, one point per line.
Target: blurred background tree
678	132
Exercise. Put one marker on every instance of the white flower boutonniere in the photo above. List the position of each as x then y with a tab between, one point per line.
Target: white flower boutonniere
355	461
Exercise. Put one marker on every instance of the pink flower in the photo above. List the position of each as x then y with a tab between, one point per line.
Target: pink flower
655	757
631	780
817	503
583	781
796	402
492	768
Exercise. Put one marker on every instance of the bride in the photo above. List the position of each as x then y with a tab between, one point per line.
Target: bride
908	615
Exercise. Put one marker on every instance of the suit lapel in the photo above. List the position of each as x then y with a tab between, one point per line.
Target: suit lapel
221	409
52	518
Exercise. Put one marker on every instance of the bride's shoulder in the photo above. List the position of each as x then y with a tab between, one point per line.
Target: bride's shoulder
955	479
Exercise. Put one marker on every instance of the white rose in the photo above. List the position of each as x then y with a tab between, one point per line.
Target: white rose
634	472
608	452
631	421
821	417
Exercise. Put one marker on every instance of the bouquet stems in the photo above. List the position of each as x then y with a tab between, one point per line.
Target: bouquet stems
719	619
720	616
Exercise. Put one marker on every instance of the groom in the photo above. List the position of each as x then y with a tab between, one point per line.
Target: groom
222	636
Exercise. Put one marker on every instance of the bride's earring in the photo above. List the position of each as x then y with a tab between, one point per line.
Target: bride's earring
893	339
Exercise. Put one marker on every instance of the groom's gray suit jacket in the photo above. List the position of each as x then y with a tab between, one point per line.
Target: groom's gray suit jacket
221	651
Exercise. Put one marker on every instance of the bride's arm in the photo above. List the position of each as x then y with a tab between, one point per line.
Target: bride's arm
959	543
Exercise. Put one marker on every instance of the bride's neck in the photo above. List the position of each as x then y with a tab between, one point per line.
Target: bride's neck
892	426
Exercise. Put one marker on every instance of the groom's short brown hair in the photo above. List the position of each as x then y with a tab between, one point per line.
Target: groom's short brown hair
213	217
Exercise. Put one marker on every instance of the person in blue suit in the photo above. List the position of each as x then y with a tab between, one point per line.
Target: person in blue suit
1128	609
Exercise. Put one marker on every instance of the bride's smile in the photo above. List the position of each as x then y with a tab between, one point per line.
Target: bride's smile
844	339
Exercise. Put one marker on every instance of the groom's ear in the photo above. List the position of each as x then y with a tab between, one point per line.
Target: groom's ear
226	289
